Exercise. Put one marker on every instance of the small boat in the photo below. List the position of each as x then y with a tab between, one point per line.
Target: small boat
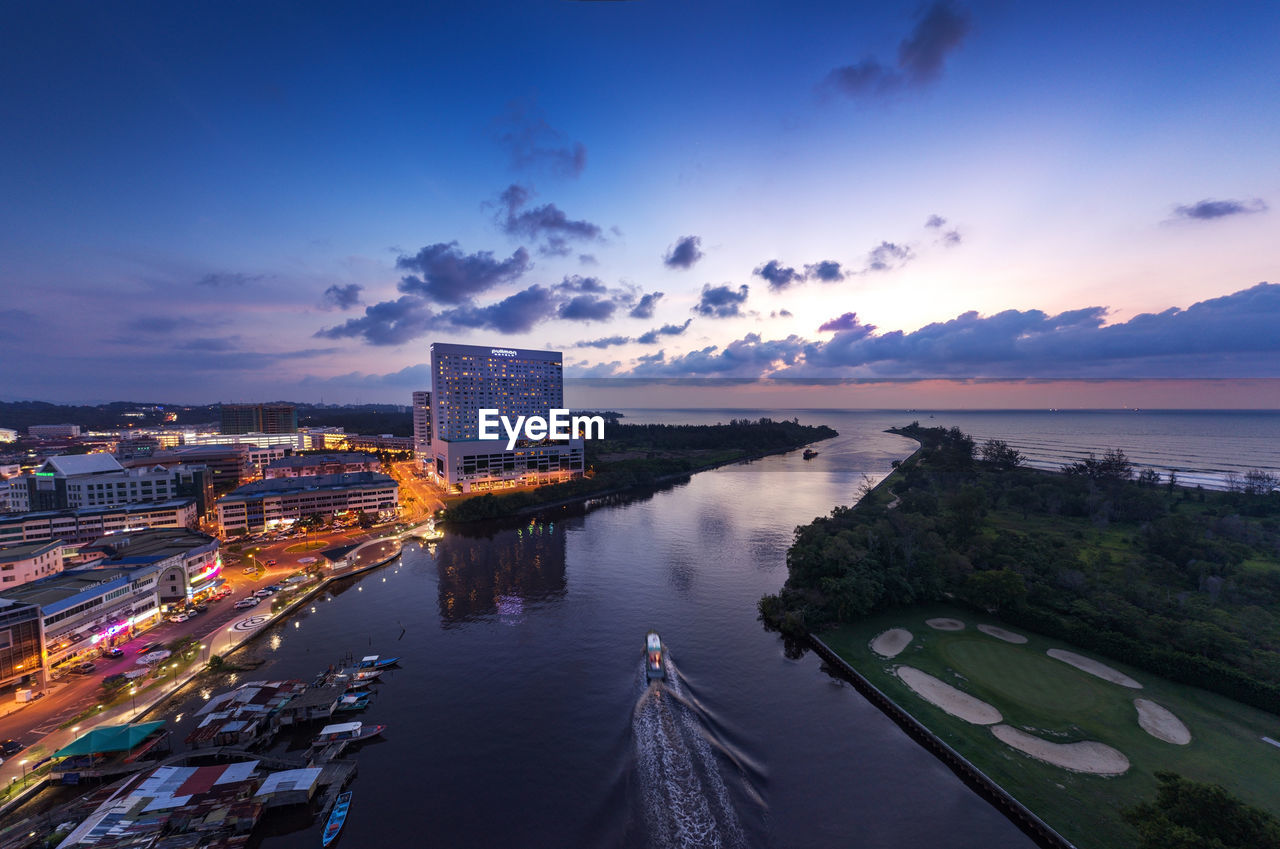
337	817
352	732
809	454
354	701
373	661
653	657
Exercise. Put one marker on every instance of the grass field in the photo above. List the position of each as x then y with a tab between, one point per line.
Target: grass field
299	547
1060	703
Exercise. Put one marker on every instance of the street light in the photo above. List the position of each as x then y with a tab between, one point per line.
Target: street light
24	773
133	695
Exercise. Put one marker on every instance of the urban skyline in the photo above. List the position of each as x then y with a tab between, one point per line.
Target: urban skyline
294	204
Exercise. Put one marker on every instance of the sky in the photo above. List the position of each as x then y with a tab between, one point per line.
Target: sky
239	202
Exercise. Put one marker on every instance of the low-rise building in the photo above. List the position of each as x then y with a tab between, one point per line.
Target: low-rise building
189	563
85	610
77	527
229	464
309	465
21	564
98	480
54	431
383	442
21	643
283	500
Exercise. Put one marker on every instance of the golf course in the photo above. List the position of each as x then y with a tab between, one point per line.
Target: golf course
1073	736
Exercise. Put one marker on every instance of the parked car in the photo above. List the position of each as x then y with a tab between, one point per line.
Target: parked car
82	668
271	563
275	588
247	602
179	617
264	592
192	611
113	652
9	748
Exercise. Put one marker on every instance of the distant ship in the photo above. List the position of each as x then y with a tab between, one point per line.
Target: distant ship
653	657
809	453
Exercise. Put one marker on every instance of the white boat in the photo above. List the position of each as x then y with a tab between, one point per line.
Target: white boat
653	657
348	731
374	661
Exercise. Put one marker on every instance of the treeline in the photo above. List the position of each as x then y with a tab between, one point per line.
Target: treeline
716	444
1182	582
359	420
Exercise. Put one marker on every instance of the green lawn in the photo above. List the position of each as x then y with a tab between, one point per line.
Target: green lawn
1058	702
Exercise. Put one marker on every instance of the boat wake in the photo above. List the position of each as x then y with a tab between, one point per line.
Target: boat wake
686	801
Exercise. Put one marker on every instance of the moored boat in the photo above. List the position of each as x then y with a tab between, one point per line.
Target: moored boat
653	668
373	661
354	701
347	731
809	454
337	817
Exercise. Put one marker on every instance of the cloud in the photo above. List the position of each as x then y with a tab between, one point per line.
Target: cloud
828	271
606	342
1207	210
644	309
574	283
387	323
777	275
448	276
885	255
721	301
684	253
587	259
652	336
935	221
226	278
587	308
516	313
921	55
532	143
342	297
1230	336
157	323
951	238
848	321
547	222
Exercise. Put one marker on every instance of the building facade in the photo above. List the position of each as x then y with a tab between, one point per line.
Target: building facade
268	503
77	527
8	435
308	465
188	563
468	378
21	643
229	465
422	423
259	418
54	431
98	480
22	564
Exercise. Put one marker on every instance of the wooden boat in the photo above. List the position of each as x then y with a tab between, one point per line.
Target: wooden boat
352	732
337	817
373	661
354	701
809	454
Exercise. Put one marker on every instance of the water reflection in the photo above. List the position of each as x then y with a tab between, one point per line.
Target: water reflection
500	574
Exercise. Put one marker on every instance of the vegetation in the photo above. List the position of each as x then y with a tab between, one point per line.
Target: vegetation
1191	815
636	455
1184	583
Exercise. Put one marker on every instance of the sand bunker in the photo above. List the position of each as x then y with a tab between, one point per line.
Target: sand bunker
955	702
945	624
1086	756
891	642
1002	634
1101	670
1160	723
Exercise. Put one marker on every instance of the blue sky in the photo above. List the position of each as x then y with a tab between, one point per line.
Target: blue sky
217	201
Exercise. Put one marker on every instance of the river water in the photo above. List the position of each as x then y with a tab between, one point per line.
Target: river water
521	716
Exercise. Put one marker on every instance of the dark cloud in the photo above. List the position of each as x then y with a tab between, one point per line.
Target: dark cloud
657	333
547	222
156	323
684	253
212	344
387	323
951	238
644	308
587	308
784	314
935	221
1218	337
574	283
517	313
848	321
886	255
777	275
828	271
587	259
606	342
448	276
721	301
1207	210
225	278
534	144
342	297
939	31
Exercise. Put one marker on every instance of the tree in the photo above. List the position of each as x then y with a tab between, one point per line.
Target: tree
1194	815
998	453
995	589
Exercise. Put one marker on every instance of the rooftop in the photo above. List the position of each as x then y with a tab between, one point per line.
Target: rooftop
317	459
286	486
149	507
70	465
152	544
27	550
61	590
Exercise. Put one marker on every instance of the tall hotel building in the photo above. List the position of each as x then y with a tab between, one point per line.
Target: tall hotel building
468	378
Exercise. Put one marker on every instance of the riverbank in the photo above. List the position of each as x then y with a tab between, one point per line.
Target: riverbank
616	477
